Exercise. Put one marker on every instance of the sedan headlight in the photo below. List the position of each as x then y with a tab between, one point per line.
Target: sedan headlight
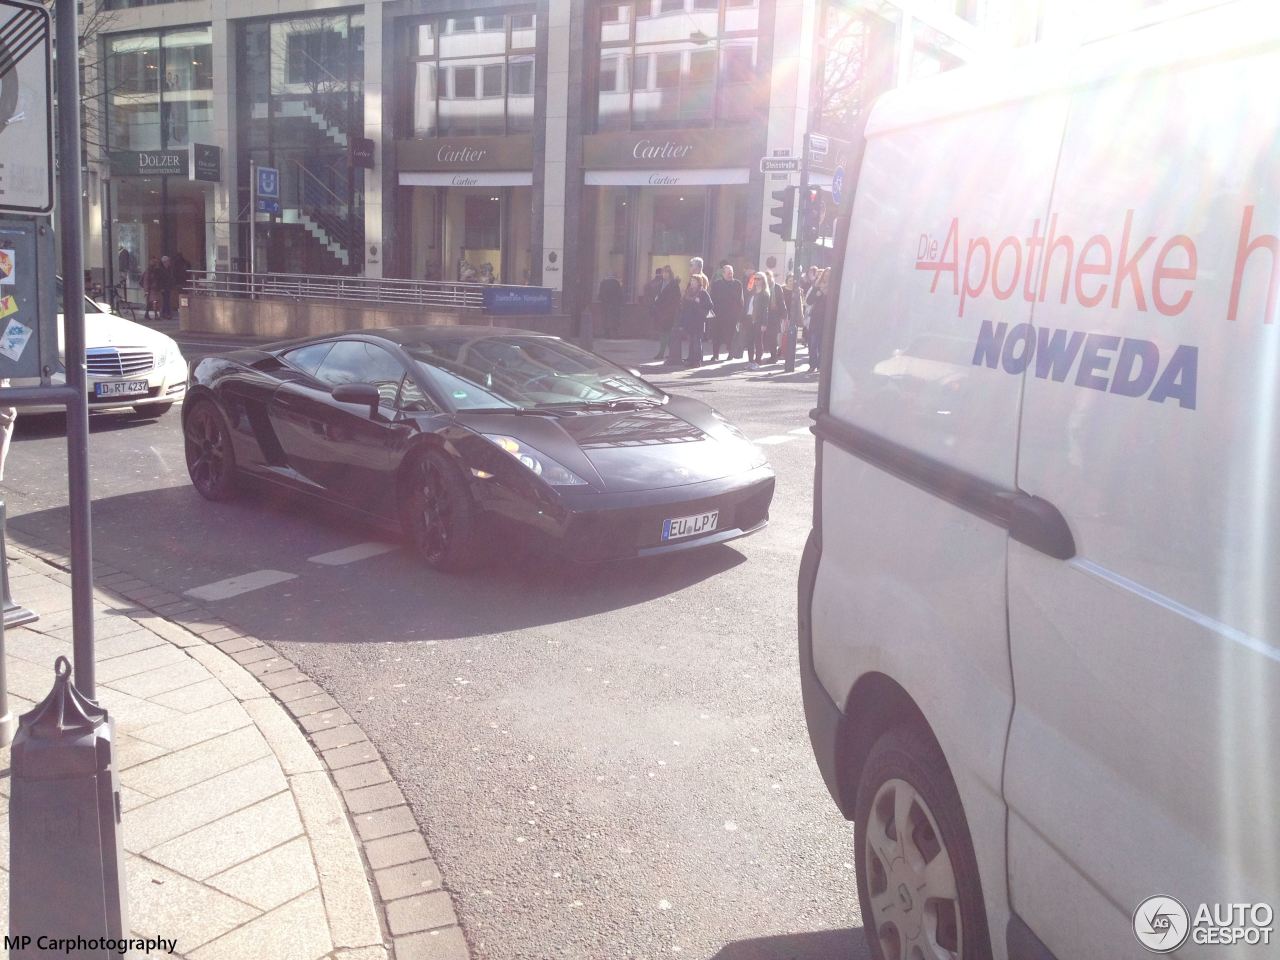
537	462
168	354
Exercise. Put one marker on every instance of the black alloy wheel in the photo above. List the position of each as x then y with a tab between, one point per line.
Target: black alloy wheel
211	461
438	514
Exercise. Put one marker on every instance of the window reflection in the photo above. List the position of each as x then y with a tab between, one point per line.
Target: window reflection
160	89
471	78
678	63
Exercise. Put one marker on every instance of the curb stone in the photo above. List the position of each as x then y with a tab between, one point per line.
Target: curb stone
312	736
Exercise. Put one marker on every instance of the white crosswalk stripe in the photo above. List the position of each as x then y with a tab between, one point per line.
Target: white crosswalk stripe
360	551
245	583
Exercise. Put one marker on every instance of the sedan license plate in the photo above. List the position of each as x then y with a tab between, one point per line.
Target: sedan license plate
121	388
679	527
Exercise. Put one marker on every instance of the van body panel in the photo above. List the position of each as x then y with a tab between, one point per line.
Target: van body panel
910	584
1135	387
1148	667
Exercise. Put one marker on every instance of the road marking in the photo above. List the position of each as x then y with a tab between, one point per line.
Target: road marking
801	431
776	438
234	586
361	551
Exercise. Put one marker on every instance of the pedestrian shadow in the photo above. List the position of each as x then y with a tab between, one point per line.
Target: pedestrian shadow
848	944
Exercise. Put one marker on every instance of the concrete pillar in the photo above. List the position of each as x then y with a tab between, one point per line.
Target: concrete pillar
557	141
226	206
790	80
374	112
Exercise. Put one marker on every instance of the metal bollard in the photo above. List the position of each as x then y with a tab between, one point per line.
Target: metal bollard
14	614
66	860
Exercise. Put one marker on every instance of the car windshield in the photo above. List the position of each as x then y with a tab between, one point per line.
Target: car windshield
516	371
90	307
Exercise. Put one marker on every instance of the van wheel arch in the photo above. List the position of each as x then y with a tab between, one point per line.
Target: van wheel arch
875	705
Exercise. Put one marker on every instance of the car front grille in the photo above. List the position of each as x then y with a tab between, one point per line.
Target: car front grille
110	362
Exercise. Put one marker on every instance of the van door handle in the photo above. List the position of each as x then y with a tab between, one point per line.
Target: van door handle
1041	526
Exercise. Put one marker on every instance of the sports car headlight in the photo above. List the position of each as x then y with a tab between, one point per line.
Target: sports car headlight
757	457
539	463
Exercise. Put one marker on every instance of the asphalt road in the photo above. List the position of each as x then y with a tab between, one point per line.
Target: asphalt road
608	762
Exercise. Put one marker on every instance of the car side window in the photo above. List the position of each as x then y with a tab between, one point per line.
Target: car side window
413	398
353	361
308	358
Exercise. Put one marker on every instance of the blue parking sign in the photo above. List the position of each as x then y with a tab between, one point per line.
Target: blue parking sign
269	183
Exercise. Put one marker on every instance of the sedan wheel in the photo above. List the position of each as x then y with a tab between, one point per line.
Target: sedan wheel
437	513
917	873
211	461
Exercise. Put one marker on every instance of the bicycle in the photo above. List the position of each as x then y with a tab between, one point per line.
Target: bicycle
120	304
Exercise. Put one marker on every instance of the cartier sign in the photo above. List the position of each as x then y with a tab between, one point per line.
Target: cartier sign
464	154
688	149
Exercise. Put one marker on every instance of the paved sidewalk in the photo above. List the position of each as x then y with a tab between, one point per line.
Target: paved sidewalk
238	842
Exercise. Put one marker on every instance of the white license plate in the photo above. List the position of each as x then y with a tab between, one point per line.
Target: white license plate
121	388
679	527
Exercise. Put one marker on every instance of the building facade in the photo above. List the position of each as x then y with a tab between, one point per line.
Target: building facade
549	142
553	142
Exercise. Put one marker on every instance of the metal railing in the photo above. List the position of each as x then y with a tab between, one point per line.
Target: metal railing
370	290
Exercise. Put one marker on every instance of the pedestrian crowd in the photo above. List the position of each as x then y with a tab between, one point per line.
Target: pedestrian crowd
760	320
163	282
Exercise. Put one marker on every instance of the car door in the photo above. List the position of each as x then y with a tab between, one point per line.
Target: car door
342	448
1144	751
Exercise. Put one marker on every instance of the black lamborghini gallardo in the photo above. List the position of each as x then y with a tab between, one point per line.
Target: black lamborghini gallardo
468	436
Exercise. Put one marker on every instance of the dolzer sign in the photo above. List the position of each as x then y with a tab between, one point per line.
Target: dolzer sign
26	109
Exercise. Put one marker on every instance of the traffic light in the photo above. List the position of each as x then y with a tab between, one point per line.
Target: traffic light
784	215
811	214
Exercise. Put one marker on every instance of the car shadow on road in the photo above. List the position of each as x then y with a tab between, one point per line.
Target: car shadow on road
175	539
847	944
43	426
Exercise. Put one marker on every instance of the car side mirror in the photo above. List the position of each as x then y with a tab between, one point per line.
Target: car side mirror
364	394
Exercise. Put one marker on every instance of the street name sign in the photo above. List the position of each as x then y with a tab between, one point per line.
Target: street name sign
26	108
779	164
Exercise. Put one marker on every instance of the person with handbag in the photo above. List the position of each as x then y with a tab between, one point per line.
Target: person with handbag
756	321
695	307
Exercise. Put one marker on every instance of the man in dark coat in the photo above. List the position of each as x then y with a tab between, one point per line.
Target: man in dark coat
667	309
610	297
726	295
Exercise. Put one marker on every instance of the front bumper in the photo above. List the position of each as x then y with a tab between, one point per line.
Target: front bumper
596	527
165	385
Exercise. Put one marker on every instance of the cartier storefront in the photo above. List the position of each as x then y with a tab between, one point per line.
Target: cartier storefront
466	208
655	199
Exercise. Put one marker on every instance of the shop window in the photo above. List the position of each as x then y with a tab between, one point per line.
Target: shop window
482	229
677	224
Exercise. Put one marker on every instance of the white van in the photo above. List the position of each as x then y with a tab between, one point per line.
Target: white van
1039	610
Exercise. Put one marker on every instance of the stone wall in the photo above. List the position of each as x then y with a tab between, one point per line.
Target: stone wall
284	319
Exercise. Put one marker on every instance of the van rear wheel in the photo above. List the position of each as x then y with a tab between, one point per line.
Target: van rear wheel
917	873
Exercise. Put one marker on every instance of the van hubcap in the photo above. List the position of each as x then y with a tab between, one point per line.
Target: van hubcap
912	884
